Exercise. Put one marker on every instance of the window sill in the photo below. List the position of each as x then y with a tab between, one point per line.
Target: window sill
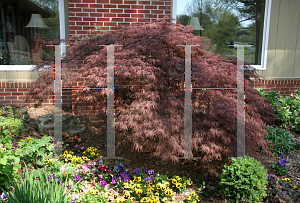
16	67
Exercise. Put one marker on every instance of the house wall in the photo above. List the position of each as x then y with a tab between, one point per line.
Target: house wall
283	57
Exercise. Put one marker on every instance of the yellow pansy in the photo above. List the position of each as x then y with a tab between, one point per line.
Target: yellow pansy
115	196
107	194
139	179
21	140
158	185
97	155
178	185
93	154
132	198
193	193
189	198
174	181
156	194
197	197
144	199
168	192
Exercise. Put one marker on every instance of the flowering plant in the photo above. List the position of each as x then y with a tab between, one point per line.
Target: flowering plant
280	166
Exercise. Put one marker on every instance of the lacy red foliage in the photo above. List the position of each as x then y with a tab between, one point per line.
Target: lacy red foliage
155	121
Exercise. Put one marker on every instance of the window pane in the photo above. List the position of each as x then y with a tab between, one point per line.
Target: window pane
228	22
22	34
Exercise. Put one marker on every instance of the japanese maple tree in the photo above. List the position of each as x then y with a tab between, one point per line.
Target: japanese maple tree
155	121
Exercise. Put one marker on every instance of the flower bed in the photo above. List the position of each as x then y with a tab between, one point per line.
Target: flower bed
81	178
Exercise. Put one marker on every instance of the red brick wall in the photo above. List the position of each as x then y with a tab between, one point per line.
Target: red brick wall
85	14
284	86
12	93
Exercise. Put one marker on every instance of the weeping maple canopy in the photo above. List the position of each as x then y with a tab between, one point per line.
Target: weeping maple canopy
155	121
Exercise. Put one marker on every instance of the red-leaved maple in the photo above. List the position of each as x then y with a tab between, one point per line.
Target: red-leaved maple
155	121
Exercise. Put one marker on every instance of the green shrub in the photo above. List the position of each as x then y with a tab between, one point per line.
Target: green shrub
245	179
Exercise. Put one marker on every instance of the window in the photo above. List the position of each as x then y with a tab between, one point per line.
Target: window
231	23
21	38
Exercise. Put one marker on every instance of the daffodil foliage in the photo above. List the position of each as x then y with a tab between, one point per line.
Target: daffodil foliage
147	56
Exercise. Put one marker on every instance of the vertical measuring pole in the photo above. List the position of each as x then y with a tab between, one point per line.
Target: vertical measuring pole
240	102
111	145
58	101
188	144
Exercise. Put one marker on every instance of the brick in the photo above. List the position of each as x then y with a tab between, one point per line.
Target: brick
82	14
116	10
72	14
103	1
74	1
89	10
103	10
123	6
98	23
110	15
17	93
11	97
82	5
130	11
144	11
157	3
157	11
89	19
150	16
117	19
137	6
74	10
150	7
71	5
88	27
72	32
137	15
95	14
144	2
141	20
124	15
130	2
104	28
110	6
168	12
75	27
102	19
123	24
5	93
75	18
110	24
10	89
96	6
116	1
165	7
88	1
168	3
82	23
130	20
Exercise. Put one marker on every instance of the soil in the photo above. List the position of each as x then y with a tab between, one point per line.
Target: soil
95	135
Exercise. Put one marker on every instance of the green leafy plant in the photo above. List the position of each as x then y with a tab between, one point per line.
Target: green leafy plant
245	179
34	151
37	188
283	143
9	165
9	126
286	108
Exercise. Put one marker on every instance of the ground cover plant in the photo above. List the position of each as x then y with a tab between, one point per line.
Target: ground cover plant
149	57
